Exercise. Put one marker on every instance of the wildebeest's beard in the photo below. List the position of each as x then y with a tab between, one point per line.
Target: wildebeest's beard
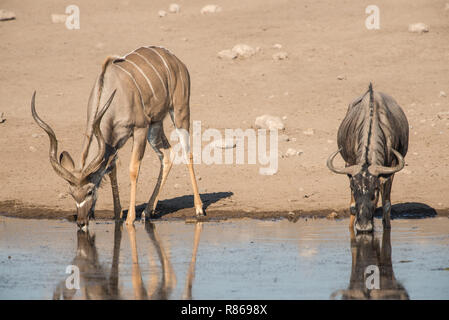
365	188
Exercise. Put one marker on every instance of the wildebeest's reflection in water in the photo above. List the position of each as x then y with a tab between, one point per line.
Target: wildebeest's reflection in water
96	284
366	252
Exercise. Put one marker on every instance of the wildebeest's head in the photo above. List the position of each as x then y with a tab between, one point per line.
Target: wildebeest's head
365	184
84	182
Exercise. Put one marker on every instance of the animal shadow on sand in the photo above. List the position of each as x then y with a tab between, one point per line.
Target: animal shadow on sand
168	206
409	210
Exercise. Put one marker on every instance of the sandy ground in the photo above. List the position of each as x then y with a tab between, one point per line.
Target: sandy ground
324	39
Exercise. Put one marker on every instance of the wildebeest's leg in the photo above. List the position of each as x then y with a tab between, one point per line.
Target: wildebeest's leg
386	203
140	137
352	211
161	146
118	213
181	120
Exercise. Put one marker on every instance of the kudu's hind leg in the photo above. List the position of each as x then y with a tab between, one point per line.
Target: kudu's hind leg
386	202
118	213
139	144
161	146
181	120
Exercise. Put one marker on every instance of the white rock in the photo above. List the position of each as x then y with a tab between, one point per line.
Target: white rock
282	55
244	50
162	13
418	27
443	94
227	54
269	122
309	132
341	77
223	144
58	18
174	8
292	152
6	15
277	46
284	118
210	8
33	149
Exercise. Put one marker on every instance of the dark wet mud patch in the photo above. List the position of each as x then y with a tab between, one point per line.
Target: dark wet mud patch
178	210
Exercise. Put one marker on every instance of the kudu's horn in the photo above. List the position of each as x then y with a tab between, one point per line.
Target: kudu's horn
376	170
60	170
351	170
96	162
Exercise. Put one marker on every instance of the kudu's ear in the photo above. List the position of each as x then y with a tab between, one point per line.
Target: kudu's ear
66	161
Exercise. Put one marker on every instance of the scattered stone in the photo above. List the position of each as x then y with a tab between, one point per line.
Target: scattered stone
33	149
277	46
309	132
443	94
418	27
227	54
2	118
58	18
269	122
292	152
36	135
282	55
284	137
284	118
174	8
224	144
62	196
444	115
244	50
341	77
330	141
267	171
6	15
210	8
333	215
162	13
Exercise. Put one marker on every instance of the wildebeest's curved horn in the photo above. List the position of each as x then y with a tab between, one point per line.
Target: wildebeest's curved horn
59	169
96	162
377	170
352	170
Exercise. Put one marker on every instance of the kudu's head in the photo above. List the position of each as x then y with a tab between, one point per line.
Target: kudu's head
83	183
365	181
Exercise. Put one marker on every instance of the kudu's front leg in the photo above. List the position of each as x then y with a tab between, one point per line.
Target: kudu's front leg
118	213
138	151
386	202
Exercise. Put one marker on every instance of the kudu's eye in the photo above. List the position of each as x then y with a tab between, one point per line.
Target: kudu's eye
89	193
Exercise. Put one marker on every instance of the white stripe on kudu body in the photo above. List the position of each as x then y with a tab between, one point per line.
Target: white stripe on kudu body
144	75
154	69
135	83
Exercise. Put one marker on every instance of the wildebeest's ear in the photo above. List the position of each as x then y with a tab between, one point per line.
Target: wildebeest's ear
66	161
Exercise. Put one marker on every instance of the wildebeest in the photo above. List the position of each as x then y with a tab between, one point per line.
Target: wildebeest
373	141
148	83
366	282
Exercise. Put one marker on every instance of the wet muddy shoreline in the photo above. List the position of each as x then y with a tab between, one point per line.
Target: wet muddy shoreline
18	209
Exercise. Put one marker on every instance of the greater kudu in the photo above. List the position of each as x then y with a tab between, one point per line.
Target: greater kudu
148	84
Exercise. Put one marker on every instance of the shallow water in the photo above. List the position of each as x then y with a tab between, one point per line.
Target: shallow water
236	259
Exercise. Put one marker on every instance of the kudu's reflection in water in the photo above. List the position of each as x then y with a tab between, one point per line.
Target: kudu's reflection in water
96	284
367	258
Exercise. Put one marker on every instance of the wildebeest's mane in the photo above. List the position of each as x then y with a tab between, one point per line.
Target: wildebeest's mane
364	133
